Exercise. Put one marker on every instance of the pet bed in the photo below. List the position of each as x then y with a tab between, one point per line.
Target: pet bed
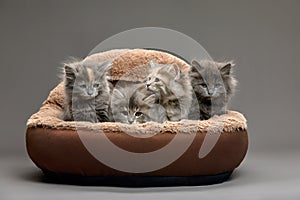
57	146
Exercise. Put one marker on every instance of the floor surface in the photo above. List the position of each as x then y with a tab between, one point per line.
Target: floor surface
261	176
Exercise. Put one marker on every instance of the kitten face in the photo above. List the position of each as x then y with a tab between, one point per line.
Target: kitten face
209	78
161	75
138	115
86	87
141	107
120	101
86	79
133	104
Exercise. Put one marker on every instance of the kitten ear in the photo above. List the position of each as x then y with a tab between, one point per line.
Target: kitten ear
226	68
118	94
175	70
196	65
70	71
152	63
105	66
150	100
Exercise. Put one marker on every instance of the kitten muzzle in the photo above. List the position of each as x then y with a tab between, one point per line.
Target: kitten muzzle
90	92
211	92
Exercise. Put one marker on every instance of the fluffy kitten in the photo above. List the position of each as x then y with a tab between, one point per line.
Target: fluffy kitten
133	104
120	96
213	85
86	91
173	87
144	107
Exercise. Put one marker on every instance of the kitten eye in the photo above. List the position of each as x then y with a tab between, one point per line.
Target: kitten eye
83	86
157	79
138	114
203	85
124	112
149	78
96	85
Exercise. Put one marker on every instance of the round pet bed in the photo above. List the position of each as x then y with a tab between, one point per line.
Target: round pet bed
56	146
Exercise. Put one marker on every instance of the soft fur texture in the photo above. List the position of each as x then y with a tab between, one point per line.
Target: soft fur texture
173	87
144	107
47	116
214	85
131	103
52	107
86	91
120	101
133	65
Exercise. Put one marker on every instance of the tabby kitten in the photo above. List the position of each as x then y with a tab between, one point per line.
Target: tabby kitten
86	91
120	96
173	87
133	104
144	107
214	85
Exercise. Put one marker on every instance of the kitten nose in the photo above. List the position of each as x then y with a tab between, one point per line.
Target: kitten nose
130	120
90	92
210	91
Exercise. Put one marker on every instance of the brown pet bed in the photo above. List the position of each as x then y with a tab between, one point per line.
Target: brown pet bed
55	146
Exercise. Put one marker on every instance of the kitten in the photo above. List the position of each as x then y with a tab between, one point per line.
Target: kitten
144	107
133	104
120	96
214	85
86	91
173	87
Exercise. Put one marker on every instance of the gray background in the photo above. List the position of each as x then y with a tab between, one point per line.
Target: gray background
261	36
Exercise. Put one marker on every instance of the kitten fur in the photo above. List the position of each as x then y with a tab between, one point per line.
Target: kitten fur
86	91
132	104
119	106
144	107
214	85
173	87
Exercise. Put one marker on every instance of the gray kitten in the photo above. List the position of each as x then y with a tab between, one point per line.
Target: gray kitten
173	86
119	106
132	104
214	85
144	107
86	91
